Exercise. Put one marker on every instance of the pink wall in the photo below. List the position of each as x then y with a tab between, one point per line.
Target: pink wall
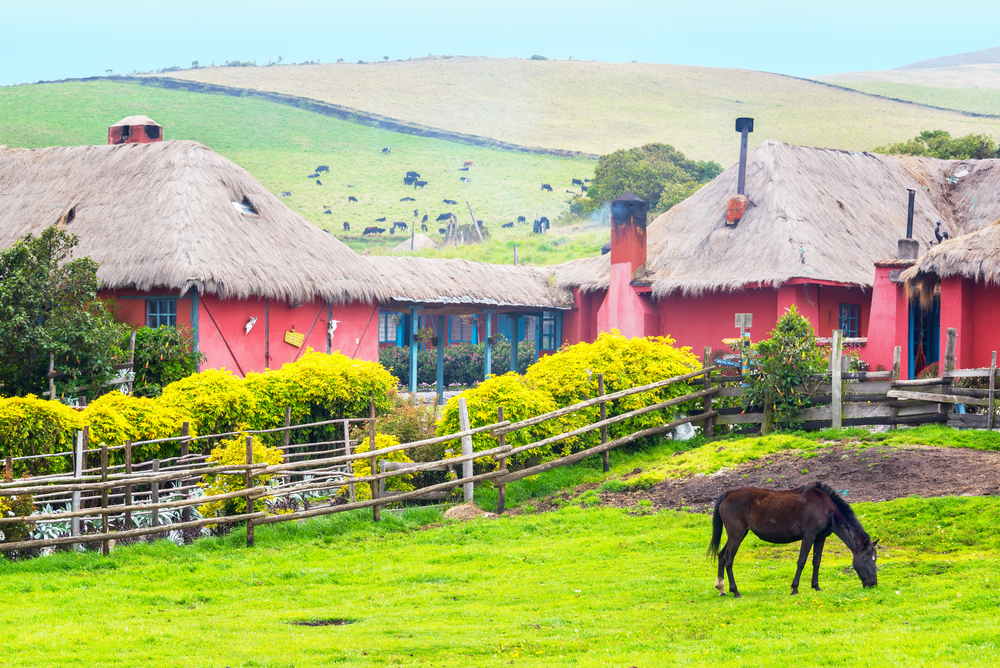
130	305
957	307
706	320
888	323
986	324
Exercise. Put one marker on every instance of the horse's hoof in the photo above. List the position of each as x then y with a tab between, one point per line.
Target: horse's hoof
795	592
722	593
737	595
817	589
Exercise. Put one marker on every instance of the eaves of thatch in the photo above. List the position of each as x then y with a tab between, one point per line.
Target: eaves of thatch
815	214
975	255
162	216
447	282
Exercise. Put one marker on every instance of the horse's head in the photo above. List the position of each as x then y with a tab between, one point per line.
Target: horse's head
865	564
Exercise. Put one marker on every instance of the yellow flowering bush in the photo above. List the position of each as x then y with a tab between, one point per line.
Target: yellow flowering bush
32	426
234	451
362	467
214	401
115	418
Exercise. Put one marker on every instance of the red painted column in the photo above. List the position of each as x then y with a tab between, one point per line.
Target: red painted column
887	324
957	311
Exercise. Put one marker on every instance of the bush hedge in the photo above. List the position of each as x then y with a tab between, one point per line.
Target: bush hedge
32	426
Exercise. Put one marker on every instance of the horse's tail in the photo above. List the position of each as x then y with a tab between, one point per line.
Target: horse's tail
713	546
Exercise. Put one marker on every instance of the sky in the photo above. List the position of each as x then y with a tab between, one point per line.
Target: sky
68	39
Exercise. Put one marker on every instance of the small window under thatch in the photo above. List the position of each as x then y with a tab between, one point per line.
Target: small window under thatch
246	208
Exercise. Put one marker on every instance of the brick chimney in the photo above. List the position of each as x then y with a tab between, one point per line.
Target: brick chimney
628	233
135	130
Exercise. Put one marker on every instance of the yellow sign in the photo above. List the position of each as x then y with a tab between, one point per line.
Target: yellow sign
295	338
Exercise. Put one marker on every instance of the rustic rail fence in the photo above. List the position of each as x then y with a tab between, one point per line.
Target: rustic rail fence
122	491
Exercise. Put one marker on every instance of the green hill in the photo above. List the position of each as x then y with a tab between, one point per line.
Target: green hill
975	100
281	145
599	107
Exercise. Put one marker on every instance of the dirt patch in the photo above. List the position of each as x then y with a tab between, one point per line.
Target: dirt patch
321	622
863	473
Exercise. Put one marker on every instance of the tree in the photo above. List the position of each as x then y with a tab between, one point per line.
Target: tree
658	173
49	305
940	144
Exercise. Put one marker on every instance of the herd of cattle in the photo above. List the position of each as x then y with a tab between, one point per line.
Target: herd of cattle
539	226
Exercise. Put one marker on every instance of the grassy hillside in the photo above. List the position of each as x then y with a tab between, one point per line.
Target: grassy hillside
600	107
985	75
281	145
977	100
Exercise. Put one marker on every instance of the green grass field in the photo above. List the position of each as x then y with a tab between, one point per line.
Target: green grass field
977	100
582	586
601	107
281	145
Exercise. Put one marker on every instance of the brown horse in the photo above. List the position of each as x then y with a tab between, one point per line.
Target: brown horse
809	513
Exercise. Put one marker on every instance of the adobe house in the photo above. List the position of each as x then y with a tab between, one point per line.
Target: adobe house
183	236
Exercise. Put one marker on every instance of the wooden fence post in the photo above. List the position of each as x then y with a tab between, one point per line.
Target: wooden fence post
836	389
893	411
185	450
373	464
128	488
249	485
605	457
501	463
77	473
347	453
949	350
993	378
463	420
709	429
154	497
765	423
105	546
8	468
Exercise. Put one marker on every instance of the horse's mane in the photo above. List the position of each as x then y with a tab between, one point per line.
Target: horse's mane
845	508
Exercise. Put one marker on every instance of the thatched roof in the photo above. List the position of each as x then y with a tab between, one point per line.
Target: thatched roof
418	280
975	255
162	215
815	214
136	120
419	242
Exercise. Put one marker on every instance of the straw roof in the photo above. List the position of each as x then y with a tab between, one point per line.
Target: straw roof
419	280
136	120
975	255
420	242
168	215
816	214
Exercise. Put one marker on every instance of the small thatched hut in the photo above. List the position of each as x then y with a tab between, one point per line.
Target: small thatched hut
185	236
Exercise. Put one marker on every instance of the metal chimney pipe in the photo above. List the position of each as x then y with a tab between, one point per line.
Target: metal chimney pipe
909	213
743	126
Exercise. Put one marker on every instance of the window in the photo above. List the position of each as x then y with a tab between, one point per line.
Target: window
161	312
388	321
849	320
245	207
549	335
530	322
460	328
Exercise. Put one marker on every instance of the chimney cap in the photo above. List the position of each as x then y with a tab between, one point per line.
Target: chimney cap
744	123
628	197
136	120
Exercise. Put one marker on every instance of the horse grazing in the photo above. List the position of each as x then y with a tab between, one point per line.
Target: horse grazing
809	513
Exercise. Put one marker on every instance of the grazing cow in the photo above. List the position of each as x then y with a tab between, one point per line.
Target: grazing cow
467	163
450	201
463	169
349	185
352	198
507	225
407	199
465	180
386	150
287	193
327	212
423	227
583	188
546	186
373	230
392	230
441	230
445	216
419	184
413	175
318	182
322	168
401	226
577	182
586	180
544	221
416	213
347	226
425	219
409	180
380	220
572	192
313	175
521	219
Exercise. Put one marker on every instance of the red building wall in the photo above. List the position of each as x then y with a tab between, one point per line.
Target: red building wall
985	325
707	319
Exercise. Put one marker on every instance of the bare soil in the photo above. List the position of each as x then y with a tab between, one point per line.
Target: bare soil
864	474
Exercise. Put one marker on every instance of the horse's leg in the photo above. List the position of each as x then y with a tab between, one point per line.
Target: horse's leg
734	545
719	582
807	543
817	555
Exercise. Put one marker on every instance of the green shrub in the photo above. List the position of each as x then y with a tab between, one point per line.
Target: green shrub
31	426
162	356
520	400
114	418
234	451
362	467
464	363
214	401
570	376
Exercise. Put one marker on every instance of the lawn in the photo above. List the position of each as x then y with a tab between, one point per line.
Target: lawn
977	100
581	586
600	107
281	145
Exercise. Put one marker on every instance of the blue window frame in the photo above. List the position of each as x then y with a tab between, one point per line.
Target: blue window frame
460	329
550	337
161	312
388	324
849	319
